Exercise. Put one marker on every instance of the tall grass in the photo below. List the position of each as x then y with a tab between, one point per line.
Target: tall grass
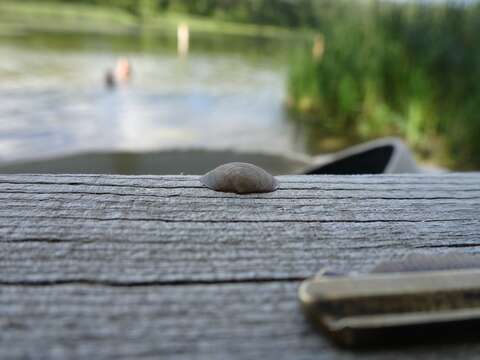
409	70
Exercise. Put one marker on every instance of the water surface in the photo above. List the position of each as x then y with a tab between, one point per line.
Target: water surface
227	95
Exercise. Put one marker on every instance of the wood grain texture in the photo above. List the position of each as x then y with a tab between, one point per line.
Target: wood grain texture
161	267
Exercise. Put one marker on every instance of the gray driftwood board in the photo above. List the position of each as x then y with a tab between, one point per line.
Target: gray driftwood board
96	266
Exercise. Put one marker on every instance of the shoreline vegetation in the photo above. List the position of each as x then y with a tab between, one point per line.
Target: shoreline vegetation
410	70
359	69
87	16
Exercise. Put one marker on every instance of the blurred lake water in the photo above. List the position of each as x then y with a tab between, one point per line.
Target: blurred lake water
227	95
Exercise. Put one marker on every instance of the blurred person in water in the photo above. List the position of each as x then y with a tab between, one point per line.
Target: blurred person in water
120	75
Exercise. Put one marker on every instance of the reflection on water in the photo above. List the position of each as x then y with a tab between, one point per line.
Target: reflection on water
53	101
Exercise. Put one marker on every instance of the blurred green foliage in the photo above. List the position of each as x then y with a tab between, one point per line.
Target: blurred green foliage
262	12
396	69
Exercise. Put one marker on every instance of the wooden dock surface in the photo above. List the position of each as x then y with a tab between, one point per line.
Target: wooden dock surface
111	267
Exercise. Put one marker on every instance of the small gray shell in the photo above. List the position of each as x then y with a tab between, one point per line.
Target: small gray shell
240	178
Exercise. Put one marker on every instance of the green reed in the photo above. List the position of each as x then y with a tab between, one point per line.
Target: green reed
391	69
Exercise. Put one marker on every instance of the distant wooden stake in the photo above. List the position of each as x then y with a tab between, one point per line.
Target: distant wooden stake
183	39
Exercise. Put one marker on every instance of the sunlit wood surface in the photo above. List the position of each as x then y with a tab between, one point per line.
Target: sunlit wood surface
95	266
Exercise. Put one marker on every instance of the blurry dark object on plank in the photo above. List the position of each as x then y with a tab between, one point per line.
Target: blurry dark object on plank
423	299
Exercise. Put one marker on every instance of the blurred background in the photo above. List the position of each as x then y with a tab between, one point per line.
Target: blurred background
180	86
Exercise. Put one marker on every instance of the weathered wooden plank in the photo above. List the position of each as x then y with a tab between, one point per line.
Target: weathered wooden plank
126	252
231	321
290	181
143	180
53	231
117	266
194	203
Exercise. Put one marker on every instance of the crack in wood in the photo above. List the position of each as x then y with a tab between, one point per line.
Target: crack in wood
170	283
235	221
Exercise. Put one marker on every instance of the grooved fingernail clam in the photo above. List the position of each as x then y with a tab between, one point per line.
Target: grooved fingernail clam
240	178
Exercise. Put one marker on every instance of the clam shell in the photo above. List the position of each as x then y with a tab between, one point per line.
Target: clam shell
240	178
